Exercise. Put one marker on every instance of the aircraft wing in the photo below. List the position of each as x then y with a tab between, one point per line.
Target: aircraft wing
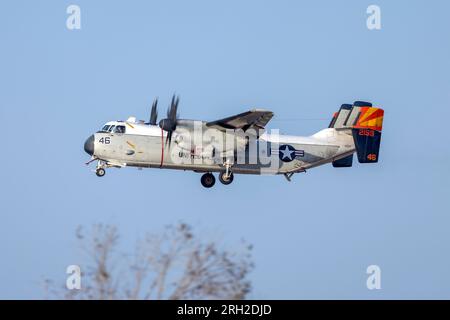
255	119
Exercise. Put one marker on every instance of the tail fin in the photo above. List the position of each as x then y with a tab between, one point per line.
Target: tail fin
338	121
366	123
339	117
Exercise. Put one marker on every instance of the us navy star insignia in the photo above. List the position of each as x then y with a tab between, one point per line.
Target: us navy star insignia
287	152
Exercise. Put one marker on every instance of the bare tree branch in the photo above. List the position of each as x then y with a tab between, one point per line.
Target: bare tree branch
171	265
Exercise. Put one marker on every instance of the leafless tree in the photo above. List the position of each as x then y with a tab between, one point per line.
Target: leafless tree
171	265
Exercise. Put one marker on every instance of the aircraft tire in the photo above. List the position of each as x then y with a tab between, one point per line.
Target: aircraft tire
208	180
226	181
100	172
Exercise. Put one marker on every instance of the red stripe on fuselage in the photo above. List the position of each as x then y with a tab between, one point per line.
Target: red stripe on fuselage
162	148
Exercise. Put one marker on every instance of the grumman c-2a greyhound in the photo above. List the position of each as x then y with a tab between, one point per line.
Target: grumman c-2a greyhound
235	145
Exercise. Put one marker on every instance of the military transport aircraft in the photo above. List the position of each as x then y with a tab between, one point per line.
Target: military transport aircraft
235	145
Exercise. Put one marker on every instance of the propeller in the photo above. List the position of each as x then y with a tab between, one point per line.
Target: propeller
154	113
169	124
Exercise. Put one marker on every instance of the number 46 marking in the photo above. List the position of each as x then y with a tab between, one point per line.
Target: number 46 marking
105	140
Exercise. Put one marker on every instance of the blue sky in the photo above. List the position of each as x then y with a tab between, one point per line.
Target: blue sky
313	237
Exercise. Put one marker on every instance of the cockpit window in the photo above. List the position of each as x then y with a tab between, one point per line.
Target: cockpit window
111	128
105	128
119	129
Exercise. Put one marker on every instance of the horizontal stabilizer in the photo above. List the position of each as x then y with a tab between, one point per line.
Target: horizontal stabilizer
344	162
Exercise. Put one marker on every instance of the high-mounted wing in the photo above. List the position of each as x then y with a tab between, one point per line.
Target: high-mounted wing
255	119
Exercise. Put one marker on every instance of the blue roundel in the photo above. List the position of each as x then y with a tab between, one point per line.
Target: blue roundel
286	153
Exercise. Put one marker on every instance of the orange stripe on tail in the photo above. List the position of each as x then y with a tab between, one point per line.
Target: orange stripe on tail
370	118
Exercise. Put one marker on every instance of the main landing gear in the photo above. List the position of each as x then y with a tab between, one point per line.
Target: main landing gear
225	178
208	180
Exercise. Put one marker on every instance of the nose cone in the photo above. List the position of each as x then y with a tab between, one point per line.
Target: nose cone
89	145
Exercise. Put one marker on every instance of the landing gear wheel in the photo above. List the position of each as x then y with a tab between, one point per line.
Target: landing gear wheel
224	180
208	180
100	172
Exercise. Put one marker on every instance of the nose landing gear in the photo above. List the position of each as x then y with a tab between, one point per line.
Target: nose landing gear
100	172
100	169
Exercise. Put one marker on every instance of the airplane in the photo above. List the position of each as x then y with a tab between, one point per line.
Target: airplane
239	144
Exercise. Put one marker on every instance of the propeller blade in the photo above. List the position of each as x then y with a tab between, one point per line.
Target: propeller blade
172	111
169	138
154	113
170	123
169	109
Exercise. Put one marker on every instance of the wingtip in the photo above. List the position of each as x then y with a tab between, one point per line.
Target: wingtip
260	110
